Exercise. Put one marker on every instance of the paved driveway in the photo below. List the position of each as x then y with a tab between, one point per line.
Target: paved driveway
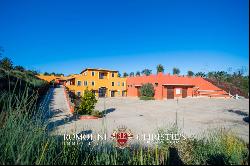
57	109
193	115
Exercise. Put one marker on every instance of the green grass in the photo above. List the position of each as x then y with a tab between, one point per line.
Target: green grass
24	139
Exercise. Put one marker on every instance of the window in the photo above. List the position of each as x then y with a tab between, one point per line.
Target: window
128	86
118	83
78	94
101	75
113	74
113	83
178	91
123	83
79	83
85	83
93	73
93	83
118	92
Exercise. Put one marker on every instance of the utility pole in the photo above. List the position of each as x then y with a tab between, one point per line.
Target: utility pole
176	114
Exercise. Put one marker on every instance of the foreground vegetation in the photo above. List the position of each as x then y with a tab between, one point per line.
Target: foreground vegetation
24	139
13	83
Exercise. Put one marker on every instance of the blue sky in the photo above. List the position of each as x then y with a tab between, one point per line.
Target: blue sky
67	36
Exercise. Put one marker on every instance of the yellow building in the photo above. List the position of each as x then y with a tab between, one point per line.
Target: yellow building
102	82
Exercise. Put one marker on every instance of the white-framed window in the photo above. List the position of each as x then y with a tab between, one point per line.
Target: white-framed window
85	83
118	92
93	83
113	83
123	83
178	91
93	73
78	93
118	83
79	83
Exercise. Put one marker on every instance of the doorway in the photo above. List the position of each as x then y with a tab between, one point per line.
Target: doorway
170	93
184	92
138	91
112	93
123	93
102	92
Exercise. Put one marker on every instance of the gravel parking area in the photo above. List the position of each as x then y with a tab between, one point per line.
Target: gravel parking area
193	115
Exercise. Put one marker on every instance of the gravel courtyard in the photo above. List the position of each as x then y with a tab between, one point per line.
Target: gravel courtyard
193	115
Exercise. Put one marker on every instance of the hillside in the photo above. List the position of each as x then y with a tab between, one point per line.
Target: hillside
16	82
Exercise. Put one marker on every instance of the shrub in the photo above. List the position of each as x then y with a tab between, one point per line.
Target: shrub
146	98
147	91
87	104
97	113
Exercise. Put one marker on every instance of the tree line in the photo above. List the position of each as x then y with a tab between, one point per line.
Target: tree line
7	64
159	68
176	71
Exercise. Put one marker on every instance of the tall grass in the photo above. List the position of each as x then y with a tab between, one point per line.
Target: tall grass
24	139
219	146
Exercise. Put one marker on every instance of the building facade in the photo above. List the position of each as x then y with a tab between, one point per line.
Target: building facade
168	86
106	83
101	82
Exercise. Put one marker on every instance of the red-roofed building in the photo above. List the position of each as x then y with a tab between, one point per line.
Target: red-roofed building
171	86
